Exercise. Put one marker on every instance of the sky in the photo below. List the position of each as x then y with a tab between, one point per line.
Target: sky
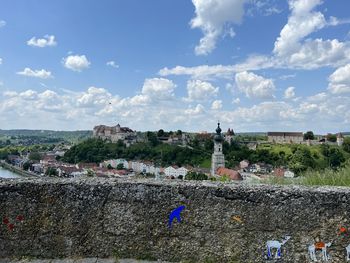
253	65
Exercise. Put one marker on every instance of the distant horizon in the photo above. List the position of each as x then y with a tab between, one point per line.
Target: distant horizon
213	131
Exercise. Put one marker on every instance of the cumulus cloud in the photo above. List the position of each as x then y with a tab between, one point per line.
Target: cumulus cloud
289	93
212	16
236	101
339	81
76	62
0	61
200	90
42	74
2	23
158	88
254	86
199	109
216	105
46	41
112	64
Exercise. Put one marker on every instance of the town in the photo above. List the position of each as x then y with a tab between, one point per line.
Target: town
246	161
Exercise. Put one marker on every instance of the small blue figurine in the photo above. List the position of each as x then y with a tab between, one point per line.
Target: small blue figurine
175	214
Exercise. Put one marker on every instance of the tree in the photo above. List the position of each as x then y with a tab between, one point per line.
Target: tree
336	158
51	171
196	176
35	156
331	137
179	132
26	166
120	166
160	133
109	166
152	138
346	144
309	135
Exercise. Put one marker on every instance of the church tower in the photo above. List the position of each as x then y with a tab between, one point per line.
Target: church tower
217	158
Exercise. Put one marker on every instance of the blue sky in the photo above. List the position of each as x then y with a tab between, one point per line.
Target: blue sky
277	65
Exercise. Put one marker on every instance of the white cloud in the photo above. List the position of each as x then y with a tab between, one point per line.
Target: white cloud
43	74
236	101
199	109
112	64
254	86
158	88
301	23
211	17
2	23
0	61
46	41
200	90
289	93
339	81
216	105
76	62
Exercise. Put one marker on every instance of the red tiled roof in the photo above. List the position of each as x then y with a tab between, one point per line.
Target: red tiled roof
234	175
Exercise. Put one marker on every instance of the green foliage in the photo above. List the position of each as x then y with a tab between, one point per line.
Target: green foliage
309	135
196	176
90	173
34	156
331	137
346	144
26	166
51	171
120	166
109	166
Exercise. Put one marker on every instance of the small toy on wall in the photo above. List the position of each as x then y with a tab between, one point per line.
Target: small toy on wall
277	245
319	246
348	253
10	226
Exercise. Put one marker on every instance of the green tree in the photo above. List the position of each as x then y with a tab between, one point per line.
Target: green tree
109	166
179	132
196	176
26	166
90	173
120	166
336	158
346	144
309	135
331	137
34	156
51	171
161	133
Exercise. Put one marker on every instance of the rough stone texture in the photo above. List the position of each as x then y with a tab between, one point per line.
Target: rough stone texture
104	218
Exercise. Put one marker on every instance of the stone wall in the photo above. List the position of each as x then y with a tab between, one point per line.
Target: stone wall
55	218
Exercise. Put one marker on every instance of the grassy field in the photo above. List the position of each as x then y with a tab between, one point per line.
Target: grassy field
328	177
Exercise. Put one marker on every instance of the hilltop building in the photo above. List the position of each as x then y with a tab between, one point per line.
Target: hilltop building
229	135
217	158
115	133
285	137
340	139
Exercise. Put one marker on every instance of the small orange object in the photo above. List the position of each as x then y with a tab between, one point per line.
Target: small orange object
342	230
320	245
237	218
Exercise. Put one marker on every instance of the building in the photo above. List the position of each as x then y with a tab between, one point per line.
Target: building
285	137
174	171
229	135
232	174
115	133
243	164
115	162
340	139
217	158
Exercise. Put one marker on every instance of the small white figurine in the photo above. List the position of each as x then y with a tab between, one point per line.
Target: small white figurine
348	253
270	244
319	246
